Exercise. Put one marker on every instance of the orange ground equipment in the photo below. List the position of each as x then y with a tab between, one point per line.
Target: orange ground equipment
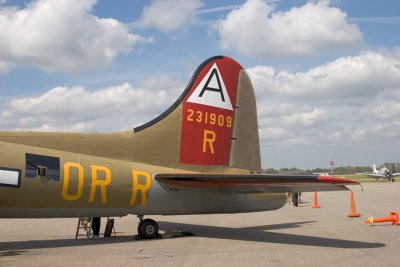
393	218
316	206
353	207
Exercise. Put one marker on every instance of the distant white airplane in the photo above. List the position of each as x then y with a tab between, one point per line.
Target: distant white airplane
382	173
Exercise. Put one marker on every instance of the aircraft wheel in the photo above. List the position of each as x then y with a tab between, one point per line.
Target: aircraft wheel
148	229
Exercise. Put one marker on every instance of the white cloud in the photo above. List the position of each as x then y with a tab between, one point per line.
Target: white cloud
378	133
62	35
77	109
168	15
349	103
166	82
274	106
298	140
305	118
272	133
386	110
332	137
4	67
346	78
383	107
256	30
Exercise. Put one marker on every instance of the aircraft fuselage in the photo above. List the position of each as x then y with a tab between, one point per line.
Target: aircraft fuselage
78	185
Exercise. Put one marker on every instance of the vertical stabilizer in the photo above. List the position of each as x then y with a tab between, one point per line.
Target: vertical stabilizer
213	124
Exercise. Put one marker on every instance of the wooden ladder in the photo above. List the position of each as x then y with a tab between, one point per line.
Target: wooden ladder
84	223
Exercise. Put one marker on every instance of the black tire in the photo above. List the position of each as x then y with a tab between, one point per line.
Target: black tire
148	229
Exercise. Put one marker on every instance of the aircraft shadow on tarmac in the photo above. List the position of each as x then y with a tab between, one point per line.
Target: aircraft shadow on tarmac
264	234
14	248
256	234
9	253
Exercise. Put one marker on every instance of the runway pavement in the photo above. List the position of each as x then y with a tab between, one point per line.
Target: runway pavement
291	236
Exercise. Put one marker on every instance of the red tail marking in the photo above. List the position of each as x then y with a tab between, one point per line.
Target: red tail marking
207	115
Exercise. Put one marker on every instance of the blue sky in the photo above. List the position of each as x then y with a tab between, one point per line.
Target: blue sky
326	73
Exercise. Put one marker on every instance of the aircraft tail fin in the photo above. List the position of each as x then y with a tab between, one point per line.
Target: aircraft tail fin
213	123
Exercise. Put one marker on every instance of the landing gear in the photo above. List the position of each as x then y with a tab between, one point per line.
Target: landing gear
148	228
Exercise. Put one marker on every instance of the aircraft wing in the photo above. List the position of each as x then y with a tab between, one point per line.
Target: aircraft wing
376	175
256	183
383	175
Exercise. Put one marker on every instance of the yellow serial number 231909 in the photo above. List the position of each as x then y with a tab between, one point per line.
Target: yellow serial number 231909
209	118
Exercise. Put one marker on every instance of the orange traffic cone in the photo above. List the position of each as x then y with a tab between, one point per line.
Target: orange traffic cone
316	206
353	207
393	218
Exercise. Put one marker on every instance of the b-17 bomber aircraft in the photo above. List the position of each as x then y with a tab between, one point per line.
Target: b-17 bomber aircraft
201	156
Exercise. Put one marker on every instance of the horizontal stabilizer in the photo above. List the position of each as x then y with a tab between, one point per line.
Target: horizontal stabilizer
256	183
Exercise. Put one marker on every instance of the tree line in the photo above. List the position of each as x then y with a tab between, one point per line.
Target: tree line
395	167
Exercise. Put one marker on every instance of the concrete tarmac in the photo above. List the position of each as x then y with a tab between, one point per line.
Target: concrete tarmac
300	236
